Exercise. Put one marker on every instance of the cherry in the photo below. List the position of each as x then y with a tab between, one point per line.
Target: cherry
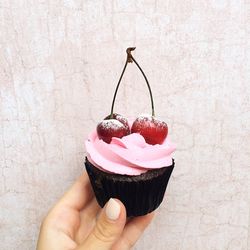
115	127
153	130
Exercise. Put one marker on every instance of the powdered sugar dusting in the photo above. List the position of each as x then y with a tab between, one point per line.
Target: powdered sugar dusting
122	119
111	124
142	119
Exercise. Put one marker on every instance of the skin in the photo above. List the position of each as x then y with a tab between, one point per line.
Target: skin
76	222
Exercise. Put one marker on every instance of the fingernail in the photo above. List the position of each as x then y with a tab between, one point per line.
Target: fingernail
113	209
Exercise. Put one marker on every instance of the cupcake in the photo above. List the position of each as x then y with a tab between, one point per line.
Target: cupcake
130	161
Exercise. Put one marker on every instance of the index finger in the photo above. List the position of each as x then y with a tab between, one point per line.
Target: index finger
78	195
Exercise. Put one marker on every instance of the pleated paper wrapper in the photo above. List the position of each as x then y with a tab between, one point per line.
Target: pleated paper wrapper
141	194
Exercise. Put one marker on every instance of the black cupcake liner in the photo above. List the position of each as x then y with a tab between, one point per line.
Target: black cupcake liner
140	194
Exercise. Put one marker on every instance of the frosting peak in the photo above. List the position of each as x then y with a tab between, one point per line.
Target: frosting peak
129	155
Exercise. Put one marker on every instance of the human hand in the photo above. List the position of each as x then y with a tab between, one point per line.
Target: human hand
77	222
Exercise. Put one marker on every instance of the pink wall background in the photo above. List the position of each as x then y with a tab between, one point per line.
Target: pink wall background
59	63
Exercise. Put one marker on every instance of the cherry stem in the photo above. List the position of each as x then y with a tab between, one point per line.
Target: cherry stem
149	88
131	59
117	87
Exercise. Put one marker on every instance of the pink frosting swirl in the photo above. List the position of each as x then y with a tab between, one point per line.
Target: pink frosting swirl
130	155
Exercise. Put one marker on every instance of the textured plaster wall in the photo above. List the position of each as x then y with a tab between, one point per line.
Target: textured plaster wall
59	64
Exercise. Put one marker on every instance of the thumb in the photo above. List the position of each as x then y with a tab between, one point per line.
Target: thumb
108	228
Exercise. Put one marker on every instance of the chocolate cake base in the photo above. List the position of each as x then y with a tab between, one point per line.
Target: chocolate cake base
140	194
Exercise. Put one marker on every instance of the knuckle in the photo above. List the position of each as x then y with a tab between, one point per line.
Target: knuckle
130	244
103	232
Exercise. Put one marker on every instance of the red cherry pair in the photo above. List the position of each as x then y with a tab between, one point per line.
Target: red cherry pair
153	130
